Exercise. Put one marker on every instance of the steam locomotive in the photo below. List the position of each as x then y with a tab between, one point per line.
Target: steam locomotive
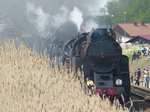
100	57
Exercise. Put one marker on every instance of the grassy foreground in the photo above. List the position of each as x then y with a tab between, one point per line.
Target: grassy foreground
28	84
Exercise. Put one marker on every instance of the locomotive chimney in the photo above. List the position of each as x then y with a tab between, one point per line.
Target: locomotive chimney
78	35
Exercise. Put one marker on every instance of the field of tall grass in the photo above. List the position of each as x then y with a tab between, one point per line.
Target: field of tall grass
28	84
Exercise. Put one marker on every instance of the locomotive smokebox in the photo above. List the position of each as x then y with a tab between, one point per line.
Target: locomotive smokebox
103	49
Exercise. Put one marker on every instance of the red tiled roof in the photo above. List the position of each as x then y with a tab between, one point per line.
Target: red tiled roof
145	36
136	29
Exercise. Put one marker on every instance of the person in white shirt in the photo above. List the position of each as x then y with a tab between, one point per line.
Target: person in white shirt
146	77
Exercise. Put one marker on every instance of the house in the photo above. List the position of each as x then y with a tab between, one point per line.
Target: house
125	32
142	39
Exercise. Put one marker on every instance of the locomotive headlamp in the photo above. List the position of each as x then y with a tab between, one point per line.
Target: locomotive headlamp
90	82
118	82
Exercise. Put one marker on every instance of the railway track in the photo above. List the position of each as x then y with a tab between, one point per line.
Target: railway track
140	92
140	98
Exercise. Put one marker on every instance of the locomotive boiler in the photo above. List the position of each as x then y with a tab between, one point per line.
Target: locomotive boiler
100	57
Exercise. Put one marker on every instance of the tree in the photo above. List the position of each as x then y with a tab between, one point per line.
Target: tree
136	11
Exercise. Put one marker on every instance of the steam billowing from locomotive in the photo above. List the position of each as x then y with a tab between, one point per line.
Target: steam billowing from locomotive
49	24
30	21
76	17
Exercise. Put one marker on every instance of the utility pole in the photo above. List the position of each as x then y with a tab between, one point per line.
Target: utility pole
112	20
124	21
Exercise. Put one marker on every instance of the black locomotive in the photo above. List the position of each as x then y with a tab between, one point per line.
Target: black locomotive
100	57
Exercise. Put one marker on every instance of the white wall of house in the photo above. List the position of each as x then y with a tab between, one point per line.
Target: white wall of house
122	39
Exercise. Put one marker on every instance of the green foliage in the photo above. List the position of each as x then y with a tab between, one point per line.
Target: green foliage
129	52
136	11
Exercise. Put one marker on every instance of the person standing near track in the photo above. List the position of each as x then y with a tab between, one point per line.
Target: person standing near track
137	81
138	73
146	77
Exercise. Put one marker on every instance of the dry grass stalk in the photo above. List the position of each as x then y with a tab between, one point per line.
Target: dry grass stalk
28	84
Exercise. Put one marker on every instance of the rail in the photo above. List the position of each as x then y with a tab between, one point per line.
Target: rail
140	92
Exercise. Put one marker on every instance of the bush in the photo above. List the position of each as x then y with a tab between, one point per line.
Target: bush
130	51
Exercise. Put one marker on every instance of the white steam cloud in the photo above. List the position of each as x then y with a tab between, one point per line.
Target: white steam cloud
48	24
33	21
43	17
38	17
89	25
60	18
45	23
49	20
77	17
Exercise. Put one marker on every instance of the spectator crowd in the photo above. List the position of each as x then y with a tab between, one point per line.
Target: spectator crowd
141	77
140	53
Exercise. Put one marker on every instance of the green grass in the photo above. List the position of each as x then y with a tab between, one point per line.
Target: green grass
141	63
133	65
